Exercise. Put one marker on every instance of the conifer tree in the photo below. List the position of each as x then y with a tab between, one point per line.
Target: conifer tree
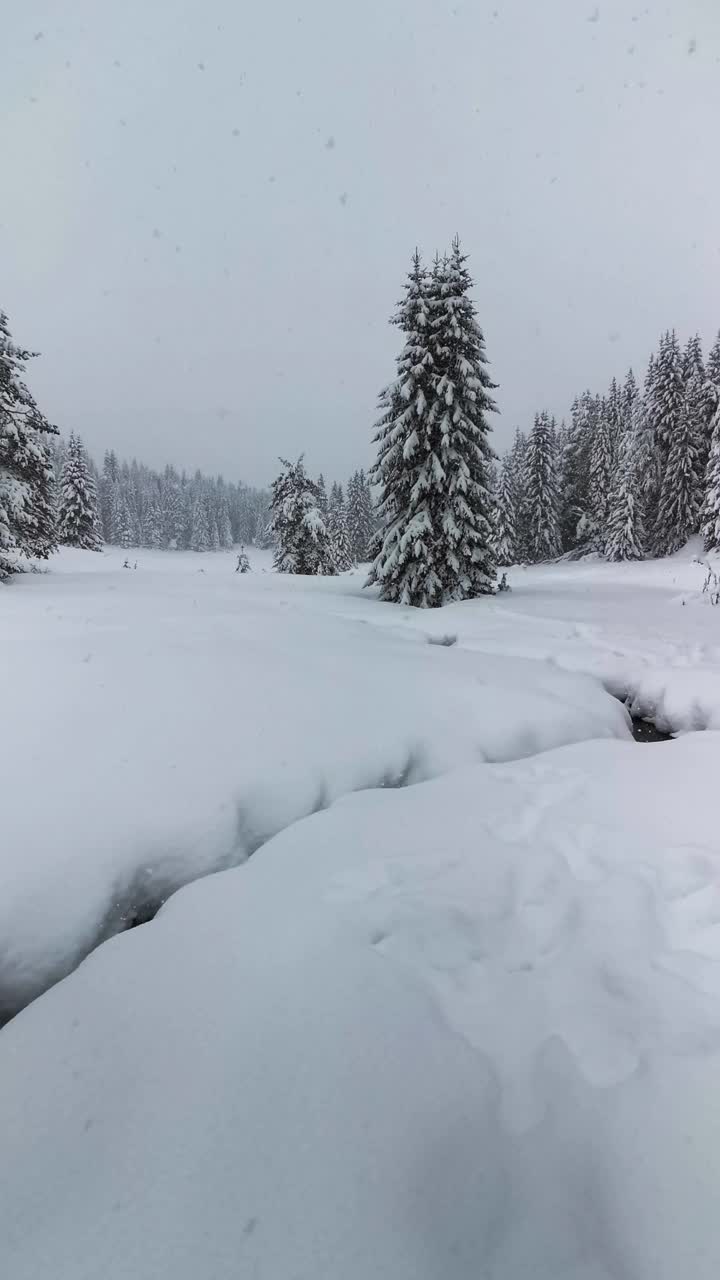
322	495
516	476
629	397
678	514
694	377
200	535
224	530
600	477
435	460
712	380
625	526
27	486
665	395
78	521
338	528
359	516
302	540
614	413
710	520
541	488
505	535
575	480
125	526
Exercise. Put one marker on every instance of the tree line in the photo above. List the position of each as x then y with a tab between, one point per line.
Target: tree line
52	493
634	473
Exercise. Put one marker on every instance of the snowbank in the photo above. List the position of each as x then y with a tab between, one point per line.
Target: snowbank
162	723
467	1029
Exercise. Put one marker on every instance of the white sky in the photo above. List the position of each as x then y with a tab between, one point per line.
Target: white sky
207	207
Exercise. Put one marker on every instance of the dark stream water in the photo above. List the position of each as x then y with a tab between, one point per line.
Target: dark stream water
645	731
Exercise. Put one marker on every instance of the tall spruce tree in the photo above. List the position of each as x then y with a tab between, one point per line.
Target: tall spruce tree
678	513
712	379
505	531
625	537
517	470
359	516
693	371
541	488
574	515
27	482
402	434
200	533
435	460
337	524
710	520
302	539
600	476
665	395
78	515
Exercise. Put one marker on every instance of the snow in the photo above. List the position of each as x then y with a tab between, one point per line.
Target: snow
466	1028
163	722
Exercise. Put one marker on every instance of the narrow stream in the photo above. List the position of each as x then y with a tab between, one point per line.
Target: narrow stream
645	731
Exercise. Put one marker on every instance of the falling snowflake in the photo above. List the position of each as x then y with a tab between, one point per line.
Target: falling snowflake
330	143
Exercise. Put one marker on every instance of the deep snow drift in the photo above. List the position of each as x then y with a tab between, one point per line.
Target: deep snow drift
466	1029
164	722
469	1029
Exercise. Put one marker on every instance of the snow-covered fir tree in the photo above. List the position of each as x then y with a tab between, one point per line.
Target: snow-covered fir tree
78	516
665	395
710	518
126	526
629	397
516	476
575	479
625	538
27	481
302	539
712	379
359	516
505	535
614	411
322	495
541	489
434	456
338	528
200	534
600	475
406	405
678	510
693	371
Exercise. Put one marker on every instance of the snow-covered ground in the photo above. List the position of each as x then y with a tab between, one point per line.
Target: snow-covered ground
469	1028
163	722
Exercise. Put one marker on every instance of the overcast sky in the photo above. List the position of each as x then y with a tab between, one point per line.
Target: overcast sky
207	207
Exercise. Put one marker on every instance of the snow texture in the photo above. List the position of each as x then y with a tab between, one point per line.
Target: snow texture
467	1028
471	1029
186	715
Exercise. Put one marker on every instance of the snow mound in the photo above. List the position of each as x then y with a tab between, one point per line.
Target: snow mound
163	723
467	1029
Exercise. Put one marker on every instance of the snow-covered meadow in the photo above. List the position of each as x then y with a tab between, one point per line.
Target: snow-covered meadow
458	1015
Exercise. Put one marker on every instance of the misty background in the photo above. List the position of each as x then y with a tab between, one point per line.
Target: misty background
207	210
